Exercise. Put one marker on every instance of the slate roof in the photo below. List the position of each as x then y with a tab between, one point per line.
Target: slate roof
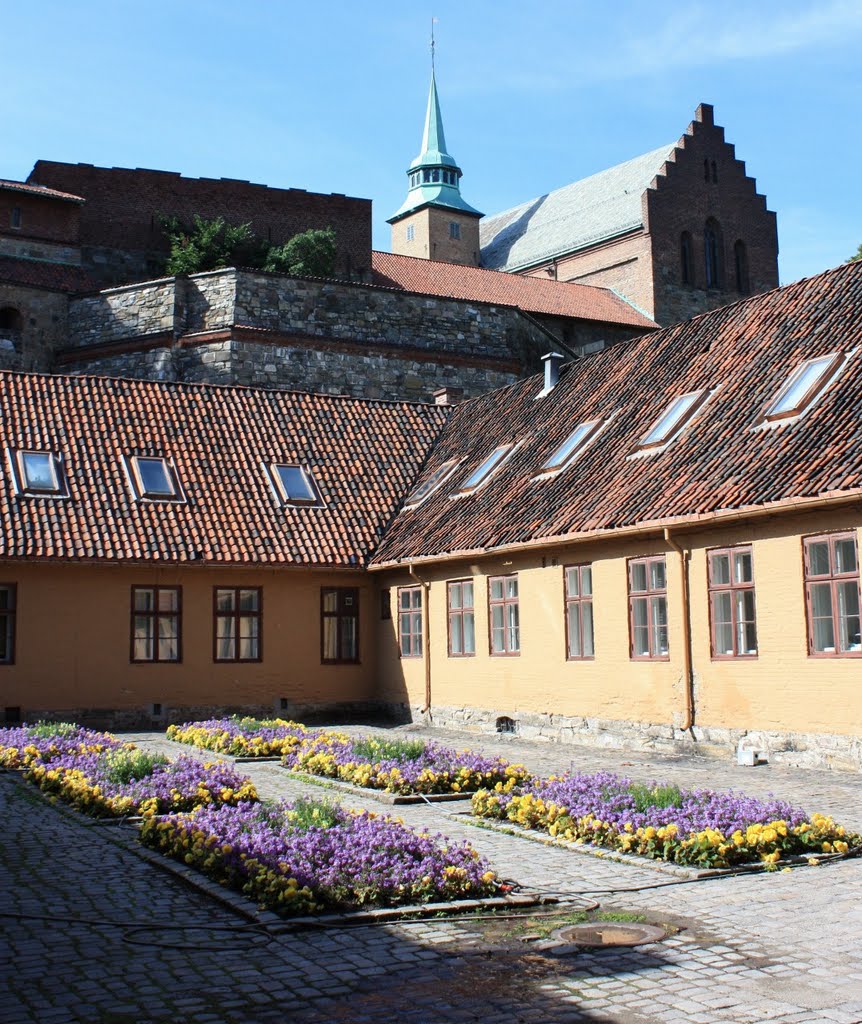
56	277
723	459
601	206
38	190
363	454
532	294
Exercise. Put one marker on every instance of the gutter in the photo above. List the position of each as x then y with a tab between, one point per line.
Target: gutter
426	637
689	523
688	674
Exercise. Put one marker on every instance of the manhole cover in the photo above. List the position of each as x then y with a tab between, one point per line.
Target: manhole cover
612	933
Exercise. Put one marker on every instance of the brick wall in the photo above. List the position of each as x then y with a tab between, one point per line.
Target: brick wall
123	207
41	217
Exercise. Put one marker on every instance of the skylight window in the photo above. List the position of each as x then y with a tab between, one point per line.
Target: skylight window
571	447
38	473
431	483
485	469
154	478
673	419
294	485
802	386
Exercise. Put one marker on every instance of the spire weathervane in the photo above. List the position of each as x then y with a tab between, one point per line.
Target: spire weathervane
433	23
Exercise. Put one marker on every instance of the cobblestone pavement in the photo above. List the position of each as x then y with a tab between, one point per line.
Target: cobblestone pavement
95	934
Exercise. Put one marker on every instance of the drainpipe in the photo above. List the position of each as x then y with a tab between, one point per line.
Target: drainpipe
426	637
688	720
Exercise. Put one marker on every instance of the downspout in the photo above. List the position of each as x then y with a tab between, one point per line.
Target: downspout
688	720
426	637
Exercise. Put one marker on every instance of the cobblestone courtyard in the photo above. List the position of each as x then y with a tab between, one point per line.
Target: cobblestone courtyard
94	933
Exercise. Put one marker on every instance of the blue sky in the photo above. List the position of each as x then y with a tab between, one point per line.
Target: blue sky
330	97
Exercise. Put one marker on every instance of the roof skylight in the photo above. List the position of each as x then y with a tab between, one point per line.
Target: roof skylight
802	386
431	483
38	473
154	478
571	447
485	469
294	485
673	419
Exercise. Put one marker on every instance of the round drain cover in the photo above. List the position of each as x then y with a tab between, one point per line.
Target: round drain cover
610	933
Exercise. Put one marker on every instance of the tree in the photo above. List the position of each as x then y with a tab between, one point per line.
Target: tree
211	245
857	257
310	254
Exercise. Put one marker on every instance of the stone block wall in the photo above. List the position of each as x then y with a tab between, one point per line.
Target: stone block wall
123	314
42	316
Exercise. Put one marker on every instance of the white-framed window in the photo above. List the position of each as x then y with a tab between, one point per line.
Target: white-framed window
571	448
485	470
673	419
802	386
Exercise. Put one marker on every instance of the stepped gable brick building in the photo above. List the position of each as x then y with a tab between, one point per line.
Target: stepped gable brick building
656	545
677	231
121	236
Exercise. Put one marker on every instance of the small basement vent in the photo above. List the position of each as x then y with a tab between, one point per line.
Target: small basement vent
506	725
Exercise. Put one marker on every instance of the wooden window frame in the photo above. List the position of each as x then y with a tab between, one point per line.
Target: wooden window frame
236	614
833	579
141	493
503	602
651	593
281	493
10	617
452	613
578	600
808	396
590	429
17	458
409	614
340	615
155	615
507	449
731	588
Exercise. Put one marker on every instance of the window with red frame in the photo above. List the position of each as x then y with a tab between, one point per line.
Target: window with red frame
8	607
832	595
339	625
579	612
504	615
156	613
462	619
238	616
731	603
410	621
648	608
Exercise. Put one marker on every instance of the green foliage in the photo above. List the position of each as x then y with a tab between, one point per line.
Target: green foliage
373	750
211	245
124	766
308	813
655	796
45	730
857	257
310	254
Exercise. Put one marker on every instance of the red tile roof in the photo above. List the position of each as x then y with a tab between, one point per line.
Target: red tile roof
38	190
532	294
363	455
58	277
723	460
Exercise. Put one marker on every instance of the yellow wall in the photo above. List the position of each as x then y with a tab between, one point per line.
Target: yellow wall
782	689
72	640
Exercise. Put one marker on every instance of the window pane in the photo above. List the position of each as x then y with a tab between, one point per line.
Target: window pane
800	383
746	636
845	555
498	644
512	628
169	649
330	600
143	638
821	615
572	583
330	639
743	571
575	631
154	475
39	471
456	640
496	590
469	633
570	446
7	598
673	417
248	600
639	576
295	483
657	573
168	600
248	648
404	598
6	627
659	623
587	629
349	647
144	600
512	586
454	595
722	623
848	615
486	467
249	626
720	565
818	558
467	594
225	600
586	581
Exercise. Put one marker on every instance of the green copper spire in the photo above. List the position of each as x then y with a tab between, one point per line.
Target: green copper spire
433	176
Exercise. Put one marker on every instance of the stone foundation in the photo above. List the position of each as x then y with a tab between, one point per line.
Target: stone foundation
796	750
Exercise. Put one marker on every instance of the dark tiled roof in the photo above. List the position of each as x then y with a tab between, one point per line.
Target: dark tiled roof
364	456
532	294
720	462
58	277
38	190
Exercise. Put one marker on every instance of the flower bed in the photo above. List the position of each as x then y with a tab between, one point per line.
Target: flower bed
399	766
241	737
308	855
99	774
693	827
